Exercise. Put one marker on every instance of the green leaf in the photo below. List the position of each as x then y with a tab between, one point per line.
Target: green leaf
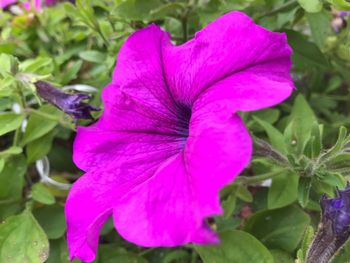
302	122
59	252
71	72
7	87
279	229
23	240
10	122
113	253
343	255
281	256
42	195
52	220
39	126
334	179
2	164
339	161
235	246
307	239
244	194
229	205
11	178
13	150
39	65
168	9
340	4
275	136
268	115
320	27
136	9
322	187
305	54
178	255
343	51
304	191
38	148
283	191
93	56
87	15
312	6
9	65
316	146
336	149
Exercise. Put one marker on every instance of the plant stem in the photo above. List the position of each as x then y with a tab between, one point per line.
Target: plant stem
257	178
184	28
145	252
22	104
16	137
193	256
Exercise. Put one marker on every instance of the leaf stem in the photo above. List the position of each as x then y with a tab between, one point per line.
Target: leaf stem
22	104
193	256
145	252
257	178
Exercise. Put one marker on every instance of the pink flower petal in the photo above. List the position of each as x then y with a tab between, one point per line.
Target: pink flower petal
126	161
139	71
33	4
88	206
5	3
125	128
257	87
170	208
229	45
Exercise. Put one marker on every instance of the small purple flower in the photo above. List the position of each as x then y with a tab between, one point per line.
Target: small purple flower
72	104
334	229
170	137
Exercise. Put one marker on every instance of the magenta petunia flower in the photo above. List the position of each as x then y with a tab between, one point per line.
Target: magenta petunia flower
169	137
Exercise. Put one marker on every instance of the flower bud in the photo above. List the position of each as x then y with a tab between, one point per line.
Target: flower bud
334	229
72	104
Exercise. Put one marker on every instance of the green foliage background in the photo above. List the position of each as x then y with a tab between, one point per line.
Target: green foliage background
302	145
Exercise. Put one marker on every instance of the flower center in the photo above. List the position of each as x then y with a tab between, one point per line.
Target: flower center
184	116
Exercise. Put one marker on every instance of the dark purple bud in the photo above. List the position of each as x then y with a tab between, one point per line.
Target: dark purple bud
72	104
334	229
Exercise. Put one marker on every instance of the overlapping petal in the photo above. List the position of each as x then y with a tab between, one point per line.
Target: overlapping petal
231	45
139	72
169	138
170	208
168	201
